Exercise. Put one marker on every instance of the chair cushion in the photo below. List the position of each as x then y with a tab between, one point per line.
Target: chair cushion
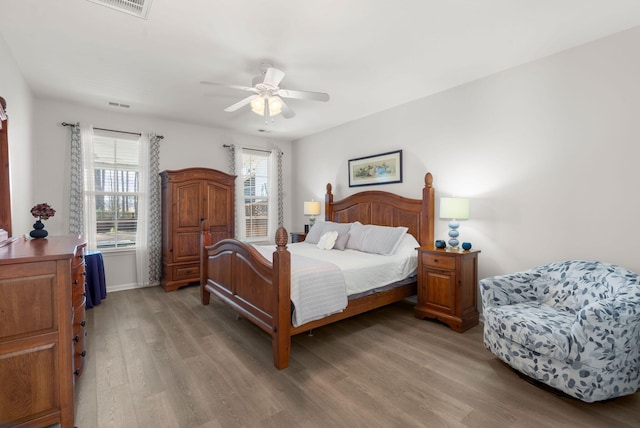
537	327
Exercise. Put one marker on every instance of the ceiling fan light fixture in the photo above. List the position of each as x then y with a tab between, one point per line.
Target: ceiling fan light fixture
258	105
275	106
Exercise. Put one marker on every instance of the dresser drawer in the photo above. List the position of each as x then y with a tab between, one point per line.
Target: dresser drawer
186	271
438	261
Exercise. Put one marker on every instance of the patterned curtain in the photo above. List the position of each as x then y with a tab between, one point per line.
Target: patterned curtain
155	216
76	203
77	212
240	217
280	192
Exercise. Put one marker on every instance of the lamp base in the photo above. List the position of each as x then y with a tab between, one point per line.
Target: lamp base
453	234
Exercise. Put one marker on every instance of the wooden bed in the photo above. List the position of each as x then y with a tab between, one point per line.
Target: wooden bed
259	289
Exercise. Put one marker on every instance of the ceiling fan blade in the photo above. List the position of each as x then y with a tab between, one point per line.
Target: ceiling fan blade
303	95
287	113
227	85
240	103
273	77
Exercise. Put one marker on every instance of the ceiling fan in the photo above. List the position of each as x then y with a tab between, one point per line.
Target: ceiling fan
267	94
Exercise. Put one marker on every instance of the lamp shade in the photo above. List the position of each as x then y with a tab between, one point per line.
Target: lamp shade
456	208
312	208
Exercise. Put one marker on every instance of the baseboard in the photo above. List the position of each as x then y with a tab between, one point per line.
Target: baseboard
122	287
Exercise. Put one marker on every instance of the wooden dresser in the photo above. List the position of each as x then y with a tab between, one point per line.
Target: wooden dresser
41	329
190	196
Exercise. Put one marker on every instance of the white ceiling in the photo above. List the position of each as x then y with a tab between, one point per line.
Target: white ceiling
369	55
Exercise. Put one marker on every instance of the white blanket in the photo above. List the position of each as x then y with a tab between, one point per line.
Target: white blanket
321	280
323	291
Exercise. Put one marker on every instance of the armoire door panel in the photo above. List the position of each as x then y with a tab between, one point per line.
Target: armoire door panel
219	204
186	247
188	213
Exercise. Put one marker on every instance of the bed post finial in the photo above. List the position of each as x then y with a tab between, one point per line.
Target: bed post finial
328	200
428	180
281	238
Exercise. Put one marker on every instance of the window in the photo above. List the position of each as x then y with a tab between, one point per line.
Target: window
255	176
116	177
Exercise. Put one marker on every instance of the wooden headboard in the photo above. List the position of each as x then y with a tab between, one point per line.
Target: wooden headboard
387	209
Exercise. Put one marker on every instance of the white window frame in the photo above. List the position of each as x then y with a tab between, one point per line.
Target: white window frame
261	176
91	192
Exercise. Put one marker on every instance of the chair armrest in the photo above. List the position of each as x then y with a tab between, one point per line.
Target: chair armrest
607	331
509	289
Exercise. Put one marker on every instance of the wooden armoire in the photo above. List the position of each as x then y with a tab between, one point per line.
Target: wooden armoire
190	196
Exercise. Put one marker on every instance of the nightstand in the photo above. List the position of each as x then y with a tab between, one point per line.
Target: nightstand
447	284
298	237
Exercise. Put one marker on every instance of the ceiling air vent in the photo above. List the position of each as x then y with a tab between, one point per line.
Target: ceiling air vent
139	8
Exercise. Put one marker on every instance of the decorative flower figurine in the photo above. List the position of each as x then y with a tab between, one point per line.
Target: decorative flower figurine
43	211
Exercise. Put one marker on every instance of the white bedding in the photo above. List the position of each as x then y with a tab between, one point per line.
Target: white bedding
329	276
365	271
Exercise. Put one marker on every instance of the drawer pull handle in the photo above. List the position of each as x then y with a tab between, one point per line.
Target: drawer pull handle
83	323
83	353
76	372
76	339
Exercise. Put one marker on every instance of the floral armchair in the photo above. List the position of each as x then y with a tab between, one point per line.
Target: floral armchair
573	325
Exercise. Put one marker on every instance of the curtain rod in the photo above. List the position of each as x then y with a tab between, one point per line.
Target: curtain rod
113	130
228	146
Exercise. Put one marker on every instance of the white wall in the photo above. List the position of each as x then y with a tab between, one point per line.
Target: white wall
15	91
548	153
184	145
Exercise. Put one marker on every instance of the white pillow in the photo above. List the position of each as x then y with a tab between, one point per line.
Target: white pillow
375	239
323	227
357	233
327	240
383	239
315	233
407	246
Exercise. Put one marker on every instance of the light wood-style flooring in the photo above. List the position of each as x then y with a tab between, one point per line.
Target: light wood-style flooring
159	359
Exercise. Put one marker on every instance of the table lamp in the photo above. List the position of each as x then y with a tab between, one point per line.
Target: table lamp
454	209
312	209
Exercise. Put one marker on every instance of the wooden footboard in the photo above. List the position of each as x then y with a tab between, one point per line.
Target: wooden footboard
260	289
257	288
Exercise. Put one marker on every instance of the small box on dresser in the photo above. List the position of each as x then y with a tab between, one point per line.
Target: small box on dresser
447	286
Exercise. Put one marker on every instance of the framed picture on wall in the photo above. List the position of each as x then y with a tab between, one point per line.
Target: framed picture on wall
384	168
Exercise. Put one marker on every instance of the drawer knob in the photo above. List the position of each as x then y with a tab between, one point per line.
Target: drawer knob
83	353
75	281
76	372
83	323
76	339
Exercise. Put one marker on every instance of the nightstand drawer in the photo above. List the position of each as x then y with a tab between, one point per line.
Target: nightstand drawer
438	261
